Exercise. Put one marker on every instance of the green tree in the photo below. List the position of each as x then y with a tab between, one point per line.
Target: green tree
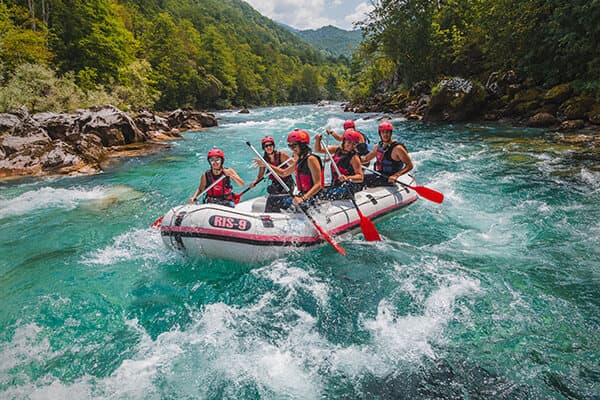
18	42
88	34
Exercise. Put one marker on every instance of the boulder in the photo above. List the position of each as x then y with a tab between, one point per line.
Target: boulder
575	108
150	122
542	120
571	125
188	119
57	125
14	144
498	83
456	99
111	125
594	115
8	122
558	93
420	89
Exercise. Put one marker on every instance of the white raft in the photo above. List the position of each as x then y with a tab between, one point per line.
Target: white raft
247	234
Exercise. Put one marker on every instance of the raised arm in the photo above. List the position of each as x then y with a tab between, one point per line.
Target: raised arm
230	172
335	135
370	155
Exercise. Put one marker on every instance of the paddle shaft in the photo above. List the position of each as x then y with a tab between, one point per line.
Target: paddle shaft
423	191
366	225
212	185
323	233
262	178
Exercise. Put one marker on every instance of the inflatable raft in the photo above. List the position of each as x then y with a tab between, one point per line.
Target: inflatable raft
247	234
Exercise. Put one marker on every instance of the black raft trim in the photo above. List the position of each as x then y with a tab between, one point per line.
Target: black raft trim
224	238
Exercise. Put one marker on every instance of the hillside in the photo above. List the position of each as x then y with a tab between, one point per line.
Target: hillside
162	55
333	41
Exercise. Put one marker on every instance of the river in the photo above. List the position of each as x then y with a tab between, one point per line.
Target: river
491	294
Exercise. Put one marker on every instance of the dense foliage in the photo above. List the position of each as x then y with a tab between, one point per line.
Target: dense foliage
334	42
163	55
546	41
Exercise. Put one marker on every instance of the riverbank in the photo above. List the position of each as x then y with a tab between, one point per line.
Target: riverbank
86	141
503	98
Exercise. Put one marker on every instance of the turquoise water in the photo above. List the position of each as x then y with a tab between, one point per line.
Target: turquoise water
492	294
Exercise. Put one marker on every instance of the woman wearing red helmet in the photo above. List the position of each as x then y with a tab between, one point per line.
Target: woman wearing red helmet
306	165
347	161
274	158
392	158
222	192
362	148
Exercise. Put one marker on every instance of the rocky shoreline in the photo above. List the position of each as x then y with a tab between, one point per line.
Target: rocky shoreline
84	142
503	97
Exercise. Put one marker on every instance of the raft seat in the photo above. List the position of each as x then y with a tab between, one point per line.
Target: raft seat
258	206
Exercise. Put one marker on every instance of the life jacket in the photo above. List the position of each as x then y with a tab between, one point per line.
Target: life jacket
342	160
221	191
304	177
363	148
385	164
289	181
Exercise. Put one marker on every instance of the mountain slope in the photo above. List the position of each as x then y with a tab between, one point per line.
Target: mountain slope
333	41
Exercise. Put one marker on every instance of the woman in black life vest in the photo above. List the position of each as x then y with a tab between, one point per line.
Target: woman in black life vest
274	158
392	158
222	192
306	165
362	148
347	160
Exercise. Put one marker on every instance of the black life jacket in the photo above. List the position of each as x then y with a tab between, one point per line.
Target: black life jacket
221	191
385	164
289	181
304	177
343	162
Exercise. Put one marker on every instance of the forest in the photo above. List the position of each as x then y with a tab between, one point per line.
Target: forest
61	55
166	54
547	42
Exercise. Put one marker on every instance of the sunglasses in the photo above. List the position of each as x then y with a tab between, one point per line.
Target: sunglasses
293	145
268	145
214	159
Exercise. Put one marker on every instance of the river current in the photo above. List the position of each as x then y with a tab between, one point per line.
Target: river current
492	294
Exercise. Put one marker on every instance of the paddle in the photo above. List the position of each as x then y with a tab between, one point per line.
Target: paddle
158	221
366	225
428	193
236	197
323	233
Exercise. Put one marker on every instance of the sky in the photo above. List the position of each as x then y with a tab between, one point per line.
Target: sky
313	14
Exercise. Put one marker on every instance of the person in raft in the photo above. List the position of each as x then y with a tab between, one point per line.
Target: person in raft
392	158
308	169
347	160
362	148
222	192
274	158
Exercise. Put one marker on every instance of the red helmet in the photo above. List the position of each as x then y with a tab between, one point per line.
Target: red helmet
352	136
385	126
267	139
215	153
349	124
298	136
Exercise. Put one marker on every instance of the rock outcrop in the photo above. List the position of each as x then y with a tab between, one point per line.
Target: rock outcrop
60	143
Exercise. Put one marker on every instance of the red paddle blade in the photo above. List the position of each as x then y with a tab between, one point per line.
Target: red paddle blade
428	193
368	228
157	223
236	198
326	236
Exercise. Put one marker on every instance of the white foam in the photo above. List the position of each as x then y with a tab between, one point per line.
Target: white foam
47	197
293	279
136	244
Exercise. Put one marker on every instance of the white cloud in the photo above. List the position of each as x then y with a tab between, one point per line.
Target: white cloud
301	14
360	13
